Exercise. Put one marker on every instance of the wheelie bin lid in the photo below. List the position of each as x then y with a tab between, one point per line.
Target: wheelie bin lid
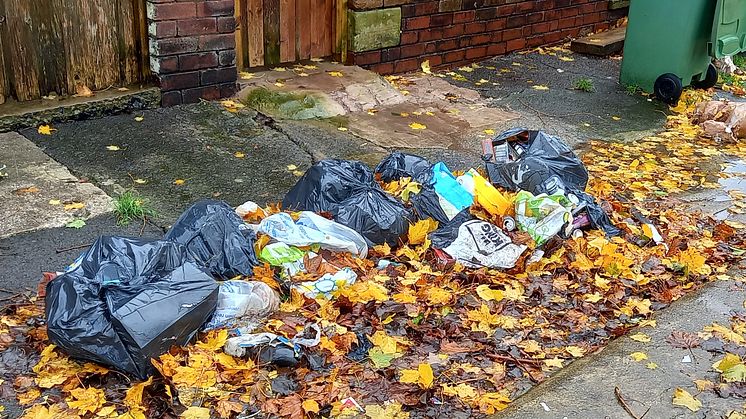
729	28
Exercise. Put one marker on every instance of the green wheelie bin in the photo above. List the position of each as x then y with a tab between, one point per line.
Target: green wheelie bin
670	43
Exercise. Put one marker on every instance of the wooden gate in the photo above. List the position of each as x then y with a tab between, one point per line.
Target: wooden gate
272	32
51	46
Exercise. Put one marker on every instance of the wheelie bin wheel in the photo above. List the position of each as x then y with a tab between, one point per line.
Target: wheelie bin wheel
668	88
711	78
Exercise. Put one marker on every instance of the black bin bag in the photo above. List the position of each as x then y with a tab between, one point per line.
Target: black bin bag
544	163
217	238
377	216
398	165
348	191
129	300
326	184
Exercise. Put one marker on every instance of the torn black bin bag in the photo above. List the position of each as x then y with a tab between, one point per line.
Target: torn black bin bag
376	215
127	301
597	215
398	165
544	164
326	184
448	231
217	238
347	190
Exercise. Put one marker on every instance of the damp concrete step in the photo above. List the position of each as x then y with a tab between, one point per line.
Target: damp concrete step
600	44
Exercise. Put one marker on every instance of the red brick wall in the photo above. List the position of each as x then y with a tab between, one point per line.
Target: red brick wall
478	29
192	49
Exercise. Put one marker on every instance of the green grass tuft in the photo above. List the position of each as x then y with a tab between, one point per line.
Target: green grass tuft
632	89
584	85
130	206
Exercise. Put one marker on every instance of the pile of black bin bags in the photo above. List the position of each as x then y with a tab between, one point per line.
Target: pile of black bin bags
127	300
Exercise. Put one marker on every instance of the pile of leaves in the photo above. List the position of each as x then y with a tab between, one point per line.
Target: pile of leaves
420	338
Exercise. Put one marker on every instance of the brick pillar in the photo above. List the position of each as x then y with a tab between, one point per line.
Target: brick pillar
193	49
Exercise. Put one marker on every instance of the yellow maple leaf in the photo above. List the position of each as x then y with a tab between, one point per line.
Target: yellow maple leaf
438	296
640	337
194	412
486	293
540	87
389	410
73	206
336	74
86	399
386	343
425	66
409	376
383	249
214	340
239	154
310	406
638	356
553	363
418	231
482	319
462	391
417	125
616	118
139	119
179	182
364	292
46	130
725	333
651	365
694	261
426	375
113	147
489	131
133	397
490	403
405	296
28	397
39	411
575	351
682	397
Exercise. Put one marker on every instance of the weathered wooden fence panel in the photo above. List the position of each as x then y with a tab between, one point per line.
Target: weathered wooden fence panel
55	45
272	32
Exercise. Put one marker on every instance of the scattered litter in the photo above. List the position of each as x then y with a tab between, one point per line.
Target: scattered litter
351	403
542	216
243	305
271	348
686	359
452	196
479	244
328	284
545	407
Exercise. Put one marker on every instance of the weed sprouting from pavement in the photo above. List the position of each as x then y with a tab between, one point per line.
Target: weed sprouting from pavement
584	85
130	206
632	89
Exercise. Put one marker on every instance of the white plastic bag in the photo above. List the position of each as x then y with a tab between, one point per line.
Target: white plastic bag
542	216
243	304
480	244
314	229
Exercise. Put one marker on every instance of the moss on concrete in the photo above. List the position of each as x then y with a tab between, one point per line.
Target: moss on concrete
374	29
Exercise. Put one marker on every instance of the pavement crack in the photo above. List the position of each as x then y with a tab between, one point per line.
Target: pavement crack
272	124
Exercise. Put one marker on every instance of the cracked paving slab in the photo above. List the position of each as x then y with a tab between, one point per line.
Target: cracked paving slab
37	188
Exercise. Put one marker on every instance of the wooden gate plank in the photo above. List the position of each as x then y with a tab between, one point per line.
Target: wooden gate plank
326	30
287	31
23	74
303	29
317	28
4	88
242	35
340	30
256	33
142	45
271	32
